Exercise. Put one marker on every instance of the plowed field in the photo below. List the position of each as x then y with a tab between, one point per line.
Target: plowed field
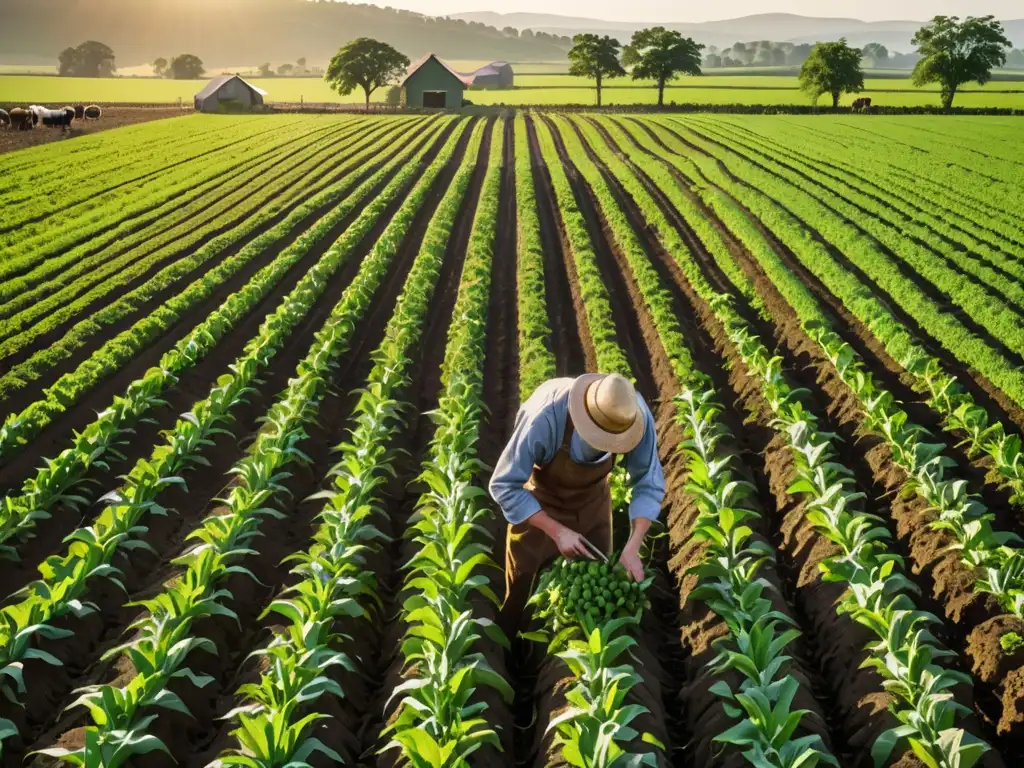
254	372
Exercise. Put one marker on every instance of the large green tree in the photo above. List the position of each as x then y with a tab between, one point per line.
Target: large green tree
365	63
90	59
661	54
187	66
596	58
956	52
832	68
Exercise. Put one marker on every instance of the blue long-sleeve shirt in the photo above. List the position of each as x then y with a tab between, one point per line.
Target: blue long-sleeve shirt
536	439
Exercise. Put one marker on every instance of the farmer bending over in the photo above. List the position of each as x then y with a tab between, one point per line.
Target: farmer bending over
552	479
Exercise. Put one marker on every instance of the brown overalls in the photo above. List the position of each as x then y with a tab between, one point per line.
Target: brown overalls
576	495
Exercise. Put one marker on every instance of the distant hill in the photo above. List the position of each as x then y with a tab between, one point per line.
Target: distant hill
234	32
780	27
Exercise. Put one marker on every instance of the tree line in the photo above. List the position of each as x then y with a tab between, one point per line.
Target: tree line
950	53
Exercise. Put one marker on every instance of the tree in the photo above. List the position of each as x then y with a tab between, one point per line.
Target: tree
510	31
186	67
596	58
365	63
266	70
713	61
160	67
285	69
300	66
877	54
956	52
832	68
90	59
660	54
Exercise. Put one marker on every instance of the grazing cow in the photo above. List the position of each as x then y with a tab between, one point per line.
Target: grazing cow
92	112
5	119
22	119
53	118
862	104
80	112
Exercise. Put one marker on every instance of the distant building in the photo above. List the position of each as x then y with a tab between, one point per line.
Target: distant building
431	83
229	93
497	74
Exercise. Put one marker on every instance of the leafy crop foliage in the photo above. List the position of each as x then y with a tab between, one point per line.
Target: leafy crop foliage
577	593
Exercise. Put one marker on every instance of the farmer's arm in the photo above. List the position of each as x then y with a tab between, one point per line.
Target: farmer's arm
648	490
534	440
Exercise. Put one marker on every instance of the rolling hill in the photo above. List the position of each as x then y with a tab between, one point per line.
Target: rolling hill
780	27
233	32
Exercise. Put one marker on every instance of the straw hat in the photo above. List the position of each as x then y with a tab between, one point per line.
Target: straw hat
605	410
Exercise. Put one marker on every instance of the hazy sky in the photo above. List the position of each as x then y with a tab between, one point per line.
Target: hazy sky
674	10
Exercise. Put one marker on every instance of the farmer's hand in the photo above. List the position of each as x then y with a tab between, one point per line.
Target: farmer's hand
571	544
630	560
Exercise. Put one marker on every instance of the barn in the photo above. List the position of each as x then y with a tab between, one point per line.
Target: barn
229	93
431	83
497	74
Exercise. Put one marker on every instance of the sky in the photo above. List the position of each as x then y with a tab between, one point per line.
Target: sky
673	10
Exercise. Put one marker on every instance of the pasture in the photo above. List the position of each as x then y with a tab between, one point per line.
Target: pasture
530	89
253	371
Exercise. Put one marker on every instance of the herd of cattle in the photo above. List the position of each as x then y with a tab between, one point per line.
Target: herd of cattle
861	104
27	118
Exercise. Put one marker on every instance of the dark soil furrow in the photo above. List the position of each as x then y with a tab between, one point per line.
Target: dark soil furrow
570	339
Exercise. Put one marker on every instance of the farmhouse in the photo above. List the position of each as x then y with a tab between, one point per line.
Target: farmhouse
229	93
431	83
497	74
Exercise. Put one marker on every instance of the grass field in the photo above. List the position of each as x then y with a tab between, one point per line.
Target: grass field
533	89
254	370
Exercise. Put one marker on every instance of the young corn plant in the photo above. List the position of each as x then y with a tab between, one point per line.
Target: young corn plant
162	642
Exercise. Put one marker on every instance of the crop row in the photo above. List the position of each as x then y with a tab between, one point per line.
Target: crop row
65	579
537	363
69	388
598	722
83	253
79	190
122	223
440	709
728	573
57	482
159	651
879	596
85	282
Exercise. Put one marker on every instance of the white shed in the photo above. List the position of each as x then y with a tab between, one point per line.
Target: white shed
229	93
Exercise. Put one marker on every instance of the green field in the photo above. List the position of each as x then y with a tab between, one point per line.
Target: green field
531	89
254	371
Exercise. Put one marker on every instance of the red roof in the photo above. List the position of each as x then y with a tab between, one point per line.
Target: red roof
464	79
